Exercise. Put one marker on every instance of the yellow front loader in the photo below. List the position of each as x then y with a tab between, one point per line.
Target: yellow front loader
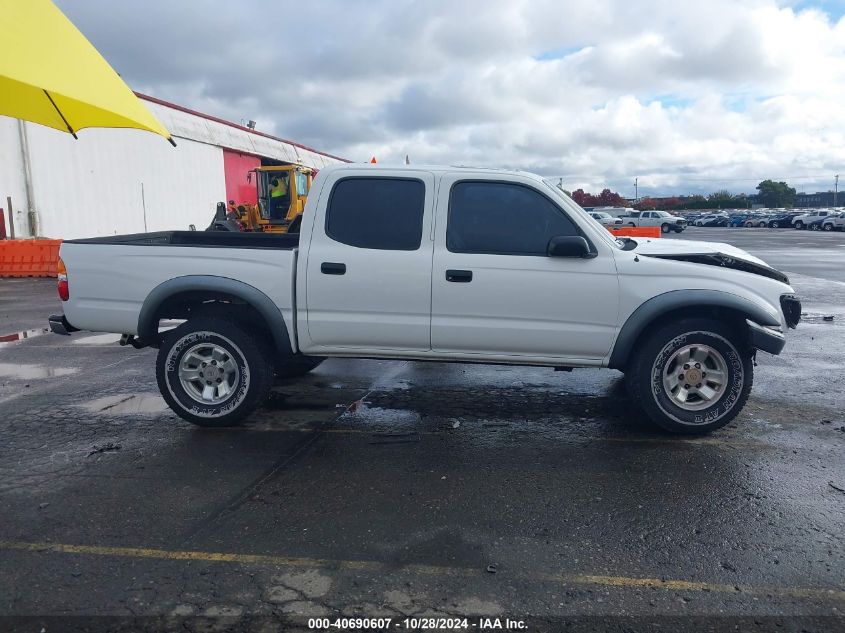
282	194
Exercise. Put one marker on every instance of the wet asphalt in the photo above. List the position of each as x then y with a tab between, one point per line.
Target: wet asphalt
397	489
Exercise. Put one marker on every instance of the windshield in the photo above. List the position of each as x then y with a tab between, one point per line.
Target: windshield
301	184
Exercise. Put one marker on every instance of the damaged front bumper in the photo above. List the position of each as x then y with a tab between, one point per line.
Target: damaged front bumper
765	338
772	339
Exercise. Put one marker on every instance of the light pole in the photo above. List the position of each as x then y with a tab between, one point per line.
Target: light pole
637	189
835	190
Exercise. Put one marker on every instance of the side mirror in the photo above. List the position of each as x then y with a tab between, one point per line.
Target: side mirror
569	246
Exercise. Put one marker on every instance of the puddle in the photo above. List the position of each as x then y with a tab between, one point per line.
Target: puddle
127	403
8	339
364	415
98	339
30	372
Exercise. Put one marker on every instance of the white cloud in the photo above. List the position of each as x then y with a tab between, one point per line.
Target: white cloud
687	96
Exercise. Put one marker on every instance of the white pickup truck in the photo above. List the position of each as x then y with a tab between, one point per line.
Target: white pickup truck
440	263
817	215
664	220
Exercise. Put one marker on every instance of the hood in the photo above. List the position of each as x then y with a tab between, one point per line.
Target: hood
708	253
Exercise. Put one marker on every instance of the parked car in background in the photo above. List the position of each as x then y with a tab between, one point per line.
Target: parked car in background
663	219
605	218
834	222
805	220
738	219
783	220
758	220
712	219
615	212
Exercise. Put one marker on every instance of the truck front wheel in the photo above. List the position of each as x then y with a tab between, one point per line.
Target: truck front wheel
211	372
690	377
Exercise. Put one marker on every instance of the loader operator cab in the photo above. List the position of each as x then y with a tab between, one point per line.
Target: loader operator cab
281	193
279	189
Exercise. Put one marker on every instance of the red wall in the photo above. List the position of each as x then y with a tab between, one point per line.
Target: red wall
236	166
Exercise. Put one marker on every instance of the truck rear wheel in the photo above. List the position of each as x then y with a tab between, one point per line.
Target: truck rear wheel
211	372
690	377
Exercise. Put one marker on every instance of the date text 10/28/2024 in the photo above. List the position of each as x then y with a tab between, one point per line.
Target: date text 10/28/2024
417	624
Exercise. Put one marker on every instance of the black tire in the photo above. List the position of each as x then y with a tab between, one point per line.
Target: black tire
664	228
774	225
295	366
799	225
248	380
631	224
645	379
828	227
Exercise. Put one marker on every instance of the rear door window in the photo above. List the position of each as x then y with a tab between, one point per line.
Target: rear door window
377	213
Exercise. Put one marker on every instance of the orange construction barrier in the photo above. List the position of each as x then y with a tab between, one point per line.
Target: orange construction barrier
29	258
636	231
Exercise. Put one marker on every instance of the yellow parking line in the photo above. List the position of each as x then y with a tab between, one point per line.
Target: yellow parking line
429	570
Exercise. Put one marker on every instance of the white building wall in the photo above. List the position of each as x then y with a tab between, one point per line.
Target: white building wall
111	181
12	183
92	186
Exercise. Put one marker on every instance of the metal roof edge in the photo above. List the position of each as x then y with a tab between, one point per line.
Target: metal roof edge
237	126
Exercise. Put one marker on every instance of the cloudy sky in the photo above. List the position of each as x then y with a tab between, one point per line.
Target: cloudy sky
686	95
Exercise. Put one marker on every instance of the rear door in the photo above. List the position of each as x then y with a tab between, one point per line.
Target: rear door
368	265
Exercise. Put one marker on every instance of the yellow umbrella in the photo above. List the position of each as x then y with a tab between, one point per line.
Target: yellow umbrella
52	75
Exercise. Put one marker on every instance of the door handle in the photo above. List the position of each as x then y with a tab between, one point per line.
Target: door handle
332	268
459	276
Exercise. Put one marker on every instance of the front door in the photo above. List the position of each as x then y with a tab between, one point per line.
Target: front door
497	293
368	270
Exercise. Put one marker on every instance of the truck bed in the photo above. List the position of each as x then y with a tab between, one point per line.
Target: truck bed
110	277
221	239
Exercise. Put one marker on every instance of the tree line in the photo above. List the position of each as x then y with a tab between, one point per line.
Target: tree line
769	193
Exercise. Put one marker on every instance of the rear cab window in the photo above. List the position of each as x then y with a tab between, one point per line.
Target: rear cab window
382	213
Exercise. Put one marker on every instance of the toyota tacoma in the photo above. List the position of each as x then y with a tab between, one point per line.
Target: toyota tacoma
433	264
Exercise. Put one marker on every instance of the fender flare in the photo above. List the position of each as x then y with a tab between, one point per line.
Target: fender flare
148	325
662	304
